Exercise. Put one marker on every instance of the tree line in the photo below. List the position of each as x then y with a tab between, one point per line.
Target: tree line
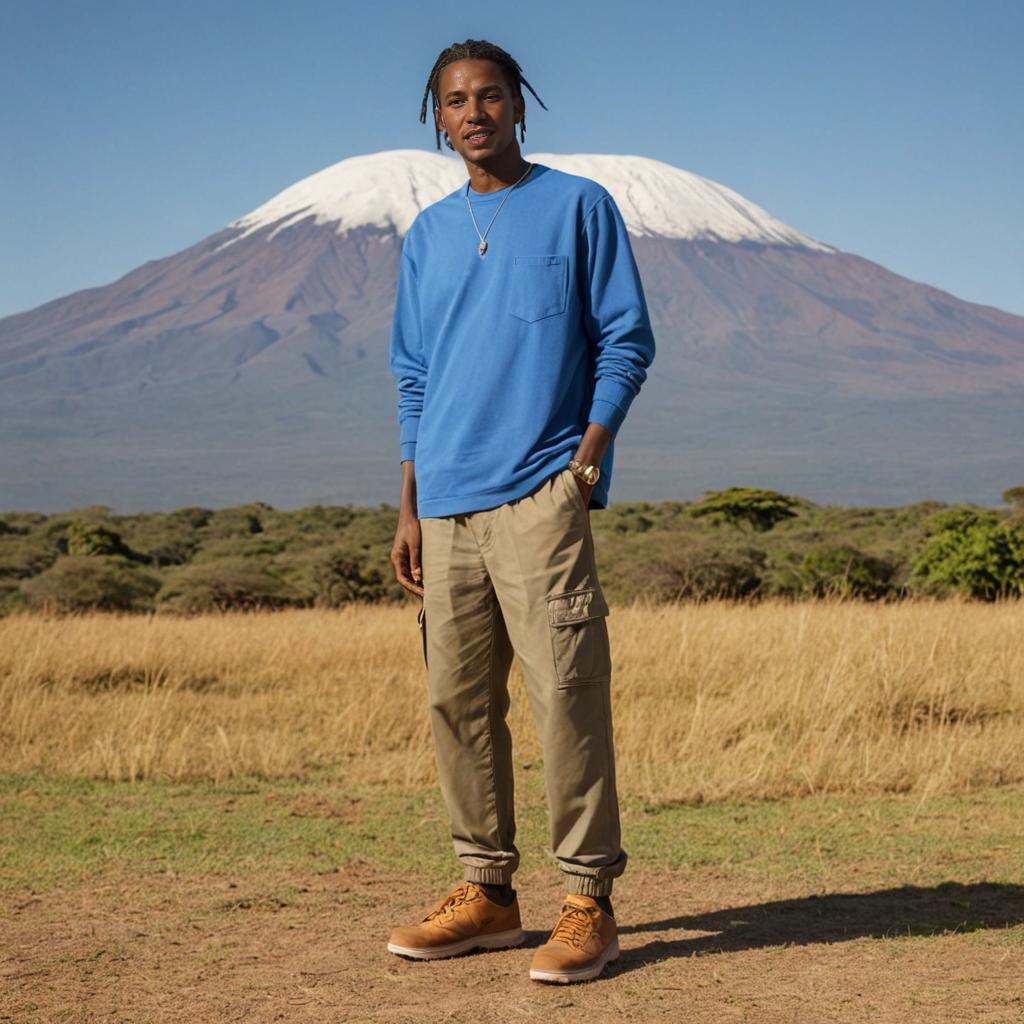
742	543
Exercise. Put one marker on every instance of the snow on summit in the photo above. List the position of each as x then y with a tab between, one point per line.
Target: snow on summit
388	189
656	198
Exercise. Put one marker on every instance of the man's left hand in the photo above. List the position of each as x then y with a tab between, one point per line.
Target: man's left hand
585	489
591	451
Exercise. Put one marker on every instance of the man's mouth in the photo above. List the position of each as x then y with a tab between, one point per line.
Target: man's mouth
477	138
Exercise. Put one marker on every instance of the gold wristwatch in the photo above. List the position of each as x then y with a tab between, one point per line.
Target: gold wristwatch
588	474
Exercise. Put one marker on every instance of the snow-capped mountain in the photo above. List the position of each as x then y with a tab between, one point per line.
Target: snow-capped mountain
253	365
386	190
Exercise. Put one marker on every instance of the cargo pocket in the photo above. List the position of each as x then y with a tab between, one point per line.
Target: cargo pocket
579	636
421	620
537	287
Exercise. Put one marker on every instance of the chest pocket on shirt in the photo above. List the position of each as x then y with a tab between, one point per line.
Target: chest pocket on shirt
538	287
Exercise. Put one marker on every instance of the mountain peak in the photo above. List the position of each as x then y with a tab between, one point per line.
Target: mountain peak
389	188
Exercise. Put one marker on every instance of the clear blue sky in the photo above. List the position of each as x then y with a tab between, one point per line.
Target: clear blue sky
894	130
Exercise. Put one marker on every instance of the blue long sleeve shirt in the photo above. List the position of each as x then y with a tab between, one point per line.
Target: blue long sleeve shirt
501	361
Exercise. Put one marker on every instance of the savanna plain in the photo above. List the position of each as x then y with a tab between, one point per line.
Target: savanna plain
219	817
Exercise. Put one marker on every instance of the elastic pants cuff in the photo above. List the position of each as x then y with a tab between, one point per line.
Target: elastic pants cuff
488	876
588	885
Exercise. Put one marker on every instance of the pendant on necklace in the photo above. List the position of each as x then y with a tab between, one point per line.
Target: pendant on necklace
483	247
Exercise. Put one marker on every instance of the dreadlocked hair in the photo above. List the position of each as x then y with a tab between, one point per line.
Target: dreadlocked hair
478	49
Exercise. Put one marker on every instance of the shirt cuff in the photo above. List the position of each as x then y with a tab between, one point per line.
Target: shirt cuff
610	404
408	451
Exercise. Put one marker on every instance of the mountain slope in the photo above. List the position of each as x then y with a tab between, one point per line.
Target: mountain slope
264	345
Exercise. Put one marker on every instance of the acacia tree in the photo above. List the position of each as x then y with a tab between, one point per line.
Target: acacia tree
1014	496
758	508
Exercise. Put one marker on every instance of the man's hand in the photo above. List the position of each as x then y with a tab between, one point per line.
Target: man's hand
590	452
585	489
405	553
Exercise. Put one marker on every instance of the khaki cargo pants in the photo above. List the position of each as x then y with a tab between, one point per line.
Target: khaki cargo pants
520	579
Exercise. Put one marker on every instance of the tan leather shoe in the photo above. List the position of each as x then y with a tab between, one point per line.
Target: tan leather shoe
583	940
466	919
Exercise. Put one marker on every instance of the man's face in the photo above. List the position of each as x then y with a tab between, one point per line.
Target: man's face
475	97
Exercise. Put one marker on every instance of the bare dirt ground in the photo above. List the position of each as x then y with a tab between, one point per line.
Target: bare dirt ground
312	949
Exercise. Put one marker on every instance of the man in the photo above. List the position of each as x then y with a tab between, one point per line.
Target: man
520	338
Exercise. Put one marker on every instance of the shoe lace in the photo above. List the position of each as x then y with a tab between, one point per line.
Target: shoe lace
460	895
574	926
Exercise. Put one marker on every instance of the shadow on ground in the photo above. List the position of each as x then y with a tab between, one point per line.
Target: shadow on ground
838	917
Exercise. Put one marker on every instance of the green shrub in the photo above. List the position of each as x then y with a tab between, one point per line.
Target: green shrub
958	519
222	585
23	557
843	570
236	521
339	578
76	583
701	572
91	540
170	538
631	517
969	551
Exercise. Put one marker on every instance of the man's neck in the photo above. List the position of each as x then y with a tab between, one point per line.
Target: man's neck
504	170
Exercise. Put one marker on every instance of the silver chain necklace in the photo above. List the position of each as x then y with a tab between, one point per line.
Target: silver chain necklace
483	237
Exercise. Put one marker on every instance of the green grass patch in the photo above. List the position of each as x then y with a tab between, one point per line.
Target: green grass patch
69	832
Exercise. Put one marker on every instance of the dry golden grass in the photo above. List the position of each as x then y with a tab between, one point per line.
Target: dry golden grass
711	700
